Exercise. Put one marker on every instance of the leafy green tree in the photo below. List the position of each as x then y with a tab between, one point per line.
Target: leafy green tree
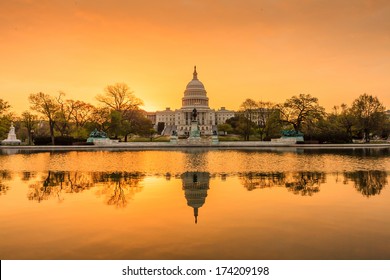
346	121
241	126
233	122
5	118
115	123
369	113
225	127
135	122
386	129
142	126
152	133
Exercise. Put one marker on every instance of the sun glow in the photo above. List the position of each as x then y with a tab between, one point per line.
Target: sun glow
264	50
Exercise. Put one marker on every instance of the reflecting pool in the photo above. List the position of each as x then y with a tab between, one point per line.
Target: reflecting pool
195	204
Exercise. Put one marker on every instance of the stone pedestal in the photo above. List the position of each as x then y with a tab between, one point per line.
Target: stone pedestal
173	139
194	133
102	141
11	139
214	139
288	140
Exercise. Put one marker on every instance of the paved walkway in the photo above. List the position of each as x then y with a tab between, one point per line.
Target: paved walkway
180	145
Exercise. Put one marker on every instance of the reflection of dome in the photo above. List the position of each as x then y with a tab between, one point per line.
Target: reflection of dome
195	93
195	186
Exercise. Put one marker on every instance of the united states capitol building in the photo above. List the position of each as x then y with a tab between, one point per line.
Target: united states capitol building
179	120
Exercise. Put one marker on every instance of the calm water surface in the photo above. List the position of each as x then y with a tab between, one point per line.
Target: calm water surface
195	204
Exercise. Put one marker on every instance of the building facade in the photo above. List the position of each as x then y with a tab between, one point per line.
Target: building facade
179	120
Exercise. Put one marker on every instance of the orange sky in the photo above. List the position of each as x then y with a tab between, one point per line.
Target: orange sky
267	50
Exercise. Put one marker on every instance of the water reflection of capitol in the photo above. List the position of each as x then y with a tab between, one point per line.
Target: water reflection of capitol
195	186
118	188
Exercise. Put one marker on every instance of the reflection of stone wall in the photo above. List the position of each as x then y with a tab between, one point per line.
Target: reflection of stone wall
195	186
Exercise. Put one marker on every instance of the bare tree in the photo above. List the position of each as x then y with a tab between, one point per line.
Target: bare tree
248	112
123	106
4	107
101	117
29	120
267	118
299	109
64	114
82	113
120	98
47	106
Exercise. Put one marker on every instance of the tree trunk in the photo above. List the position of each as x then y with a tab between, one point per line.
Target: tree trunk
366	135
51	125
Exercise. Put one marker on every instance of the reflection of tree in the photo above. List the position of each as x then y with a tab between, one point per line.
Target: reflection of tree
368	183
118	187
27	175
56	183
76	182
4	176
363	154
253	180
3	188
48	187
305	183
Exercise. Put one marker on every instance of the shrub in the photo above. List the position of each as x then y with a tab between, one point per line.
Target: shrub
58	140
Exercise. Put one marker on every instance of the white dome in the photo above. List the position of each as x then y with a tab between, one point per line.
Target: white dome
195	94
195	83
